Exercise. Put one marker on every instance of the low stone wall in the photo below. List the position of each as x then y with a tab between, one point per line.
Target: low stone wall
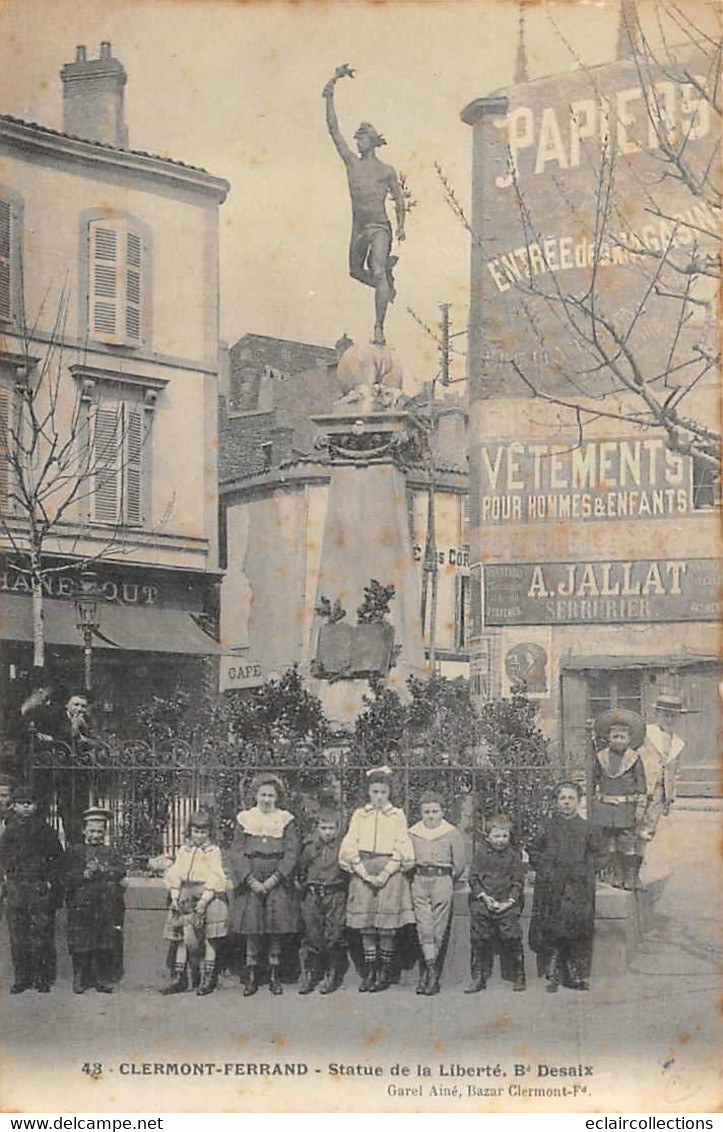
621	918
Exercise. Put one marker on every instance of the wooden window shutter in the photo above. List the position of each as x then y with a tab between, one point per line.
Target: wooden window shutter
107	448
7	405
115	284
462	610
133	467
133	285
103	296
6	306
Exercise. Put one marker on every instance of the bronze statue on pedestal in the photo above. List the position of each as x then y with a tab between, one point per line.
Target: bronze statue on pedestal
370	183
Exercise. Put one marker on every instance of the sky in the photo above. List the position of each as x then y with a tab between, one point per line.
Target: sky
236	88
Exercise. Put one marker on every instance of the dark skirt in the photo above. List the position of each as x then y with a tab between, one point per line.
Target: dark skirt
275	914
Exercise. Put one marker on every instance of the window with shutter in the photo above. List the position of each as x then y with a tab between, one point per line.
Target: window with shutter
133	467
118	438
115	283
107	448
462	610
7	406
133	286
6	306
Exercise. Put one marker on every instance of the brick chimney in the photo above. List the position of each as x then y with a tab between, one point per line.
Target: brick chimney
93	97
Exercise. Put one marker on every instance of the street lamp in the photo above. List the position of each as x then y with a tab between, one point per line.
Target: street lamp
88	622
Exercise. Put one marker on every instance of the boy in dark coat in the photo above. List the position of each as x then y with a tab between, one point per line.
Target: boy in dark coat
93	875
496	881
31	862
323	885
564	855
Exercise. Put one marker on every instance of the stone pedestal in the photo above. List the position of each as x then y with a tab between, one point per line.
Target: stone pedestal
370	440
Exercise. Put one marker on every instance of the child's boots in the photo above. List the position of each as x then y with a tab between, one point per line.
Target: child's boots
274	981
435	970
179	982
369	975
81	973
552	973
383	978
207	984
309	972
335	973
479	981
631	874
517	956
425	973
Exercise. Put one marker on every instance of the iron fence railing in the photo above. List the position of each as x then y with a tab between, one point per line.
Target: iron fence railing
152	789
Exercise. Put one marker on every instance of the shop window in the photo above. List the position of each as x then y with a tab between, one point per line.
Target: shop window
621	688
118	280
706	485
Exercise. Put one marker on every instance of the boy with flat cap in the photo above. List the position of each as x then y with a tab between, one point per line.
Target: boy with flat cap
31	863
619	792
94	896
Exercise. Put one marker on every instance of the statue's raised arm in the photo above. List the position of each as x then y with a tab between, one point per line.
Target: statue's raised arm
371	184
332	122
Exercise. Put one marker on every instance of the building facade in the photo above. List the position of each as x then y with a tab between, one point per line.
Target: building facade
595	536
109	315
275	498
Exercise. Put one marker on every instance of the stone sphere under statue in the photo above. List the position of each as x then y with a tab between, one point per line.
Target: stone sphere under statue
367	365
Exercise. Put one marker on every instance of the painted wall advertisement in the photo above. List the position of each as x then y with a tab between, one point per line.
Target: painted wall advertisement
569	593
542	224
625	478
527	661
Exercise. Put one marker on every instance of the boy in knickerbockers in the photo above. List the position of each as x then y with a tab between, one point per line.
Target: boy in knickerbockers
496	881
323	885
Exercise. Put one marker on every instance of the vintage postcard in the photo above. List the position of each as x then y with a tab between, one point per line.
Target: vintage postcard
361	583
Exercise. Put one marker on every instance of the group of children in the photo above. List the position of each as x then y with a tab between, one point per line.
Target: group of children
38	876
377	879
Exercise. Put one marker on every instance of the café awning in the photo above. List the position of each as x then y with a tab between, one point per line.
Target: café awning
608	662
144	628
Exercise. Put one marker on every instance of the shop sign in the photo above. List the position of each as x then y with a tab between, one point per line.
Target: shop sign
599	479
239	672
538	184
566	593
454	556
67	585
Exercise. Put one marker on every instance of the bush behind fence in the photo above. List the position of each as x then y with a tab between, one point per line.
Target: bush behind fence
152	790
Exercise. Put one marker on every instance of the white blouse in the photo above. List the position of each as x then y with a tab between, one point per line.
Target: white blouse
377	831
256	823
197	864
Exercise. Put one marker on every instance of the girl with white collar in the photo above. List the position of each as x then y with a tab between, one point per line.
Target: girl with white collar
263	860
441	857
376	851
